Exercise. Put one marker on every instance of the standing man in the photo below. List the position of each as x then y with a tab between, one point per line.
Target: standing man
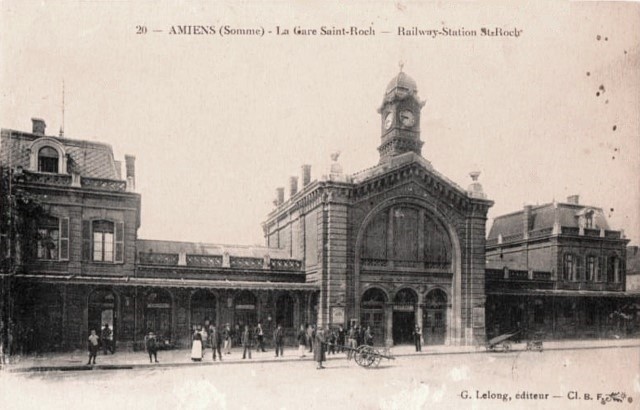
226	336
319	347
278	340
340	339
302	341
94	345
352	340
416	338
310	338
152	347
215	340
107	339
246	342
260	337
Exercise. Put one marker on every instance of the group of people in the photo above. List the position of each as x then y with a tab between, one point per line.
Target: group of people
319	341
209	336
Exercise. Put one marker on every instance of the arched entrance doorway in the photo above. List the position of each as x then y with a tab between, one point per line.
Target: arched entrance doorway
203	308
372	313
434	326
404	316
245	309
102	311
157	313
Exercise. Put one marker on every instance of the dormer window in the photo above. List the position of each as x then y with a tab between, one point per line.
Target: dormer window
588	220
48	160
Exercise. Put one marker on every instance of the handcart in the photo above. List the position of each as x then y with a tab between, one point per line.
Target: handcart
367	356
501	343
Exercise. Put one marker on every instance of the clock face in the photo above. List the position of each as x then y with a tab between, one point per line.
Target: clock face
407	118
388	120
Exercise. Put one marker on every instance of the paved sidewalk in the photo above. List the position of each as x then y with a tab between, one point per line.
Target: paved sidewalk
76	360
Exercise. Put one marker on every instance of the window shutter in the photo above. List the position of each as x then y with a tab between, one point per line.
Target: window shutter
119	242
86	240
64	239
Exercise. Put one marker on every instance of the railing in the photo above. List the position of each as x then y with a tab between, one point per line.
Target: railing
592	232
48	179
514	237
246	263
217	261
152	258
518	274
104	184
285	264
541	275
612	234
570	231
204	261
538	233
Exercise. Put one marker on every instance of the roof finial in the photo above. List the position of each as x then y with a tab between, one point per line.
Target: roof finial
401	65
62	126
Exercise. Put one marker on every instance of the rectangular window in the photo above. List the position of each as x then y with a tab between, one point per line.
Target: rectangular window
103	241
48	238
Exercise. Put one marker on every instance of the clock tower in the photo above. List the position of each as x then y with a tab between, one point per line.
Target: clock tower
400	118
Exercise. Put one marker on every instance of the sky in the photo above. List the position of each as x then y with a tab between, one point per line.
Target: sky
218	122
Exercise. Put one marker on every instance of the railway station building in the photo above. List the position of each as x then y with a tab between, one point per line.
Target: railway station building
392	246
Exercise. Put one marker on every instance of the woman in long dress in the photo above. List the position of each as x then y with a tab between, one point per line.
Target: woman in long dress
196	347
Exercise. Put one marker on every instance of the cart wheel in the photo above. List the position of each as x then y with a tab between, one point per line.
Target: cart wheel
367	355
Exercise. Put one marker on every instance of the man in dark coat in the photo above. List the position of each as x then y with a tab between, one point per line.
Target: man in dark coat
152	347
215	340
319	347
416	338
246	342
278	340
340	339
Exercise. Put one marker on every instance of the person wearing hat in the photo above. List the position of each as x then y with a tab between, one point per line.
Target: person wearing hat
152	347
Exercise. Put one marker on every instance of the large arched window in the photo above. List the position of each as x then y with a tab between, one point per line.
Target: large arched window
48	160
409	237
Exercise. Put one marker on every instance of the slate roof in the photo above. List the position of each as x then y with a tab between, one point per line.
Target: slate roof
89	159
543	216
200	248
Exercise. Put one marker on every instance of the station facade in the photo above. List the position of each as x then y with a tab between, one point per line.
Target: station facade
392	246
389	247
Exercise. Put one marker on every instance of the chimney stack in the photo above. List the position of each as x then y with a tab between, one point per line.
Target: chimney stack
573	199
38	126
293	186
130	165
279	196
306	175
